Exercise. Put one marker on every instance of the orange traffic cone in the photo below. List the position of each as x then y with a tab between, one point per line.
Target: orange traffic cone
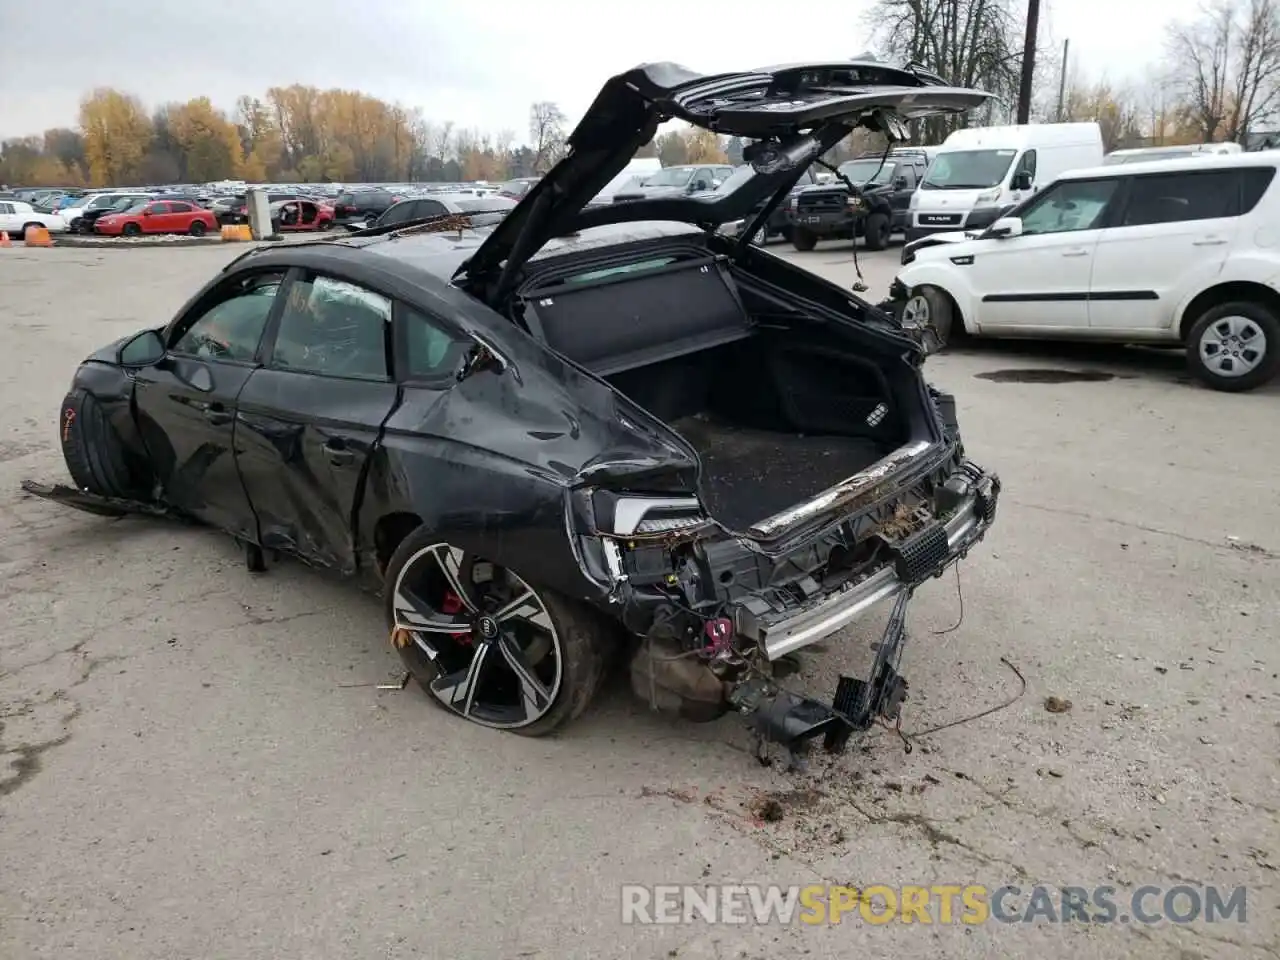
4	239
37	237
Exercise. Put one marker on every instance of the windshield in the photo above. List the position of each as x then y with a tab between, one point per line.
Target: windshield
670	177
870	170
968	169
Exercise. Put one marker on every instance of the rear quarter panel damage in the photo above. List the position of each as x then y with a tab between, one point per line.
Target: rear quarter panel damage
487	462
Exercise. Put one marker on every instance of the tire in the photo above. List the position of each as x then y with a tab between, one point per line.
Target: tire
576	635
77	226
876	231
92	449
197	228
803	239
132	230
1234	346
933	309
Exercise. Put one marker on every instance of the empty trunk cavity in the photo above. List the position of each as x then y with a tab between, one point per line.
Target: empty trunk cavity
775	421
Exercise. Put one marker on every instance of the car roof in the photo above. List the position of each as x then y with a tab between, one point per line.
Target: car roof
1204	161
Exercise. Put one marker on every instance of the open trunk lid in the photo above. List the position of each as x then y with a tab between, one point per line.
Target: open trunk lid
771	105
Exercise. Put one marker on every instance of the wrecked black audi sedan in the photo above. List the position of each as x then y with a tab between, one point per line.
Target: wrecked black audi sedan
584	431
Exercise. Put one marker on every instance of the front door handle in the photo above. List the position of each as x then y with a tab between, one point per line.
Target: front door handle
1076	253
1208	242
218	415
339	454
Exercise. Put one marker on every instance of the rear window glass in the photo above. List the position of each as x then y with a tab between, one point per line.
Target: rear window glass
1256	181
639	266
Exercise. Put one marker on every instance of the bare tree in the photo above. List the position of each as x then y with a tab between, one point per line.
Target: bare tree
972	43
546	134
1226	66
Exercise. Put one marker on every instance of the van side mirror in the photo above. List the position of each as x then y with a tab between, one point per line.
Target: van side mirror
1005	228
143	350
1021	180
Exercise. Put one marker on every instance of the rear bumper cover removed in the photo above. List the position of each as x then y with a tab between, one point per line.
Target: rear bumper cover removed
782	629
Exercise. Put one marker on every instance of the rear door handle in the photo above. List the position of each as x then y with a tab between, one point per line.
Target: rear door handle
1076	253
217	414
1208	242
339	453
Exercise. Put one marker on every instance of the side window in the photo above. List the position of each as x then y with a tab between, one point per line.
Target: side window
1255	183
397	214
432	350
231	327
335	329
159	208
179	208
6	208
1175	197
429	208
1027	164
1068	206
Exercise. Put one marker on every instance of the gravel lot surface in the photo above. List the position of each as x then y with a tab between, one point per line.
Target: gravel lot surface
196	763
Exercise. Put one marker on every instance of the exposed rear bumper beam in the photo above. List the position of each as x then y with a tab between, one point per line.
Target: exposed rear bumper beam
782	632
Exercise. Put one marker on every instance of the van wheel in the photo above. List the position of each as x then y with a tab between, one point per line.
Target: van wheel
1234	347
932	310
877	231
486	644
803	239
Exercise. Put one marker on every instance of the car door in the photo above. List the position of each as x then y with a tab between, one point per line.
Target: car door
155	217
310	417
904	185
179	217
185	404
1173	232
1041	278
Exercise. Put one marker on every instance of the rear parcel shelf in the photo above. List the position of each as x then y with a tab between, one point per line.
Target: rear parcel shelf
623	320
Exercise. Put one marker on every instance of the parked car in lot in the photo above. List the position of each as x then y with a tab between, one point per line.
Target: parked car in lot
883	185
363	206
575	433
100	202
676	181
1139	154
1164	252
480	211
157	216
16	218
292	216
517	188
236	211
89	216
979	173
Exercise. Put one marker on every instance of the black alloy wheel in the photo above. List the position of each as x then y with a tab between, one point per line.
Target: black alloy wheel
481	641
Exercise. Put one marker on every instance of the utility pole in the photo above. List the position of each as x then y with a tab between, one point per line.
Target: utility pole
1062	81
1028	61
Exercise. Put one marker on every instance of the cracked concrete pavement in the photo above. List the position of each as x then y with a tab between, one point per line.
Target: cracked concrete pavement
196	762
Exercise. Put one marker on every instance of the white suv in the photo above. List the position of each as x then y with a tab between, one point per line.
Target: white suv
1169	251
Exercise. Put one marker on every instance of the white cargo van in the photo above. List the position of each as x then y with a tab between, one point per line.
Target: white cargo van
980	172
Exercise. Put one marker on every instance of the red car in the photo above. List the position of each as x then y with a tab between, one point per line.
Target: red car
292	215
157	216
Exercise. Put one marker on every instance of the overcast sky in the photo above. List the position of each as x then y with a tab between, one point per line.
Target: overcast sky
477	63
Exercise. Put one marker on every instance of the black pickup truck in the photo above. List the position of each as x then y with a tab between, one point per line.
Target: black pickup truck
884	190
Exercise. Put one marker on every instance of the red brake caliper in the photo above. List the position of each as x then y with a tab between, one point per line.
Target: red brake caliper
452	605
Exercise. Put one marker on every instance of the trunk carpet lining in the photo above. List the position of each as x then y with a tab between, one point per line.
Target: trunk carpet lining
748	475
